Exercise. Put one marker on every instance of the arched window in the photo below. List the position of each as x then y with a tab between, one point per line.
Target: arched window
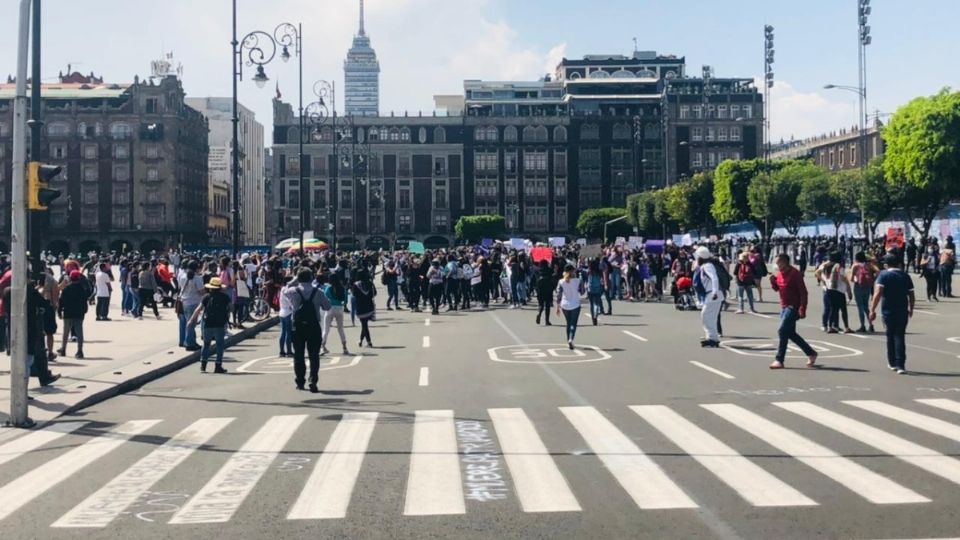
510	134
120	130
58	129
384	134
422	135
559	134
590	132
599	74
647	74
439	135
82	129
622	74
326	134
394	134
541	134
293	135
486	133
529	134
621	131
405	134
374	134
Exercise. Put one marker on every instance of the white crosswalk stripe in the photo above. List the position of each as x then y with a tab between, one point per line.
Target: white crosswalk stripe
855	477
945	404
328	490
917	420
538	482
642	479
222	495
31	441
754	484
31	485
109	501
434	484
923	457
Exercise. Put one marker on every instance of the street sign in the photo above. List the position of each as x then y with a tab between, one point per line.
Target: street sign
548	353
767	348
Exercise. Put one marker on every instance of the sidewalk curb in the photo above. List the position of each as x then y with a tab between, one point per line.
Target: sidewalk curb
137	382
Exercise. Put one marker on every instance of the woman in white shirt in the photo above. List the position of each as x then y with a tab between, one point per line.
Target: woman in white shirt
569	291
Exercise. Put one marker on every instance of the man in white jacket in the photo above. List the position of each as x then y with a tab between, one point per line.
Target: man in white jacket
713	300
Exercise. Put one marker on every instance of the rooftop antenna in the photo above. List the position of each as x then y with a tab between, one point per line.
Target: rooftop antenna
362	32
635	47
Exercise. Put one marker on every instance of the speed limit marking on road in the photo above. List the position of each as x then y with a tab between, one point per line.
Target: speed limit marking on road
765	348
547	353
272	365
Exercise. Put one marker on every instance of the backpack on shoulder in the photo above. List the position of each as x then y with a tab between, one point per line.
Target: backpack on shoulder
305	318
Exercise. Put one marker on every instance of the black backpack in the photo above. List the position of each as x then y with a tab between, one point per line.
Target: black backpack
305	318
722	275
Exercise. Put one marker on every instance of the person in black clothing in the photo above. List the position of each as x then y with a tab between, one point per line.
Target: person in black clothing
35	349
912	256
72	308
306	302
215	311
364	291
545	287
390	278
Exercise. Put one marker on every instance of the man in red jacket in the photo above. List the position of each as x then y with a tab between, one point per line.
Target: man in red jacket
793	307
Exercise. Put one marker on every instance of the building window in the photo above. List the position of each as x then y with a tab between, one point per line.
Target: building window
684	112
722	111
4	129
405	135
697	159
319	197
121	151
152	151
373	135
58	129
710	133
559	134
346	198
711	111
559	163
711	159
89	218
439	166
439	135
486	133
319	167
510	134
293	199
621	131
58	216
831	158
696	134
90	173
535	162
590	132
748	111
487	162
89	151
121	195
57	151
721	133
560	189
404	165
697	113
120	131
734	133
153	174
853	155
120	218
404	201
734	111
121	172
840	160
89	195
510	163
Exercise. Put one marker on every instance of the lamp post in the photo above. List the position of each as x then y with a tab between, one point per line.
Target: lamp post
260	48
861	141
768	57
318	113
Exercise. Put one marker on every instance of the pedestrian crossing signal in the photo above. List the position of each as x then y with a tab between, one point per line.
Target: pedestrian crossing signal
39	194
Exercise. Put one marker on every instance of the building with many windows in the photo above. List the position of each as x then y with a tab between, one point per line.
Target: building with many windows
361	73
836	150
134	160
536	152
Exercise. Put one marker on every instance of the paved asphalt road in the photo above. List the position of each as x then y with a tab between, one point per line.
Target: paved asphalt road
483	425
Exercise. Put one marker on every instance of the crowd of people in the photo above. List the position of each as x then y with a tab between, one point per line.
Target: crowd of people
313	293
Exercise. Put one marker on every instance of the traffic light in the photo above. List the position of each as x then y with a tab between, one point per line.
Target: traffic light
39	194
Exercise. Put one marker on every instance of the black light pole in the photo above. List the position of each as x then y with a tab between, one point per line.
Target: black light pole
317	114
287	35
36	219
258	54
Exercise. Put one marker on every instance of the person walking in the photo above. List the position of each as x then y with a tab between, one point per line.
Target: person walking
595	290
364	291
545	288
947	262
894	289
214	310
746	281
307	302
435	286
72	309
103	280
712	297
390	279
336	293
793	307
286	323
863	274
569	290
146	290
930	270
191	294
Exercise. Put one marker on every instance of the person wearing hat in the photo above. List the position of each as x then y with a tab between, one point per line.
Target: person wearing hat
895	289
215	311
713	297
72	308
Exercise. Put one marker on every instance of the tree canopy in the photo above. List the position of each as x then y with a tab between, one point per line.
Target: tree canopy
476	228
591	222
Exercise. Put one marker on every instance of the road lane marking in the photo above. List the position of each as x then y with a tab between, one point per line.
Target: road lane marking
426	322
538	482
712	370
848	473
219	499
426	341
634	336
640	476
424	376
330	486
858	336
920	456
31	485
945	404
434	484
925	312
761	315
917	420
754	484
31	441
101	508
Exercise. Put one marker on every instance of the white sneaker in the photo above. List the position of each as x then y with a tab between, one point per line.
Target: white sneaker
901	372
739	312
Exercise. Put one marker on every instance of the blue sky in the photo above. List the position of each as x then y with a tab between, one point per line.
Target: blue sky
428	47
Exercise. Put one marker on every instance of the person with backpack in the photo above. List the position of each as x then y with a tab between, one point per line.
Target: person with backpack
214	310
595	289
863	274
746	281
710	273
306	303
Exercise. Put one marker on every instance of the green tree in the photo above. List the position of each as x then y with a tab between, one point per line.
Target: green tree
731	181
923	155
823	194
641	213
688	203
772	197
591	222
877	198
475	228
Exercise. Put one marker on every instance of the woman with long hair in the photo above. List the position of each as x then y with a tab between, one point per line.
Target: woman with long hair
595	289
545	288
337	294
364	292
568	299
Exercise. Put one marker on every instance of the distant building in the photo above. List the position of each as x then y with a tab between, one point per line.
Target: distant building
361	72
219	114
219	203
134	160
835	151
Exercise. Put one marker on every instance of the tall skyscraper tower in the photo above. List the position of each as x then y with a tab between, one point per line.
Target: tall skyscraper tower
361	72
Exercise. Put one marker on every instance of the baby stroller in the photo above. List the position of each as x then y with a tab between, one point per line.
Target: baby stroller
684	299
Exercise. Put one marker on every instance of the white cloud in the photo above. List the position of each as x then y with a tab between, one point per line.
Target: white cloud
799	114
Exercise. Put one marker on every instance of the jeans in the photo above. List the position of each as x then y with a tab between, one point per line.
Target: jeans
571	316
862	297
146	300
74	326
393	294
124	299
103	307
837	302
896	340
745	291
436	294
596	304
788	332
286	334
188	333
946	280
216	334
133	300
826	309
615	291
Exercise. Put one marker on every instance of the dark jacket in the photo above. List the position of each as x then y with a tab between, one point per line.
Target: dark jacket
73	300
545	283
